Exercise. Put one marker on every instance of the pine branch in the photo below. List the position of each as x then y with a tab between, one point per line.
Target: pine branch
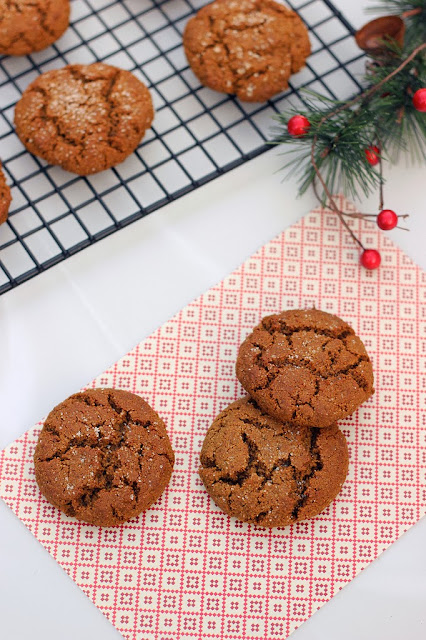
399	125
337	144
340	132
363	99
341	140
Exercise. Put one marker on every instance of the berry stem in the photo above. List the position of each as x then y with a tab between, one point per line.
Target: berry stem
332	202
411	12
381	196
360	215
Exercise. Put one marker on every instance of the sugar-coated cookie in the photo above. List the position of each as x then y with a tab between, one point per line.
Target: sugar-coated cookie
246	47
5	197
270	473
31	25
306	367
84	118
103	456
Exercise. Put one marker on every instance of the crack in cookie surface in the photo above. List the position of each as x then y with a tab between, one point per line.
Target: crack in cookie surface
103	452
246	47
269	473
306	367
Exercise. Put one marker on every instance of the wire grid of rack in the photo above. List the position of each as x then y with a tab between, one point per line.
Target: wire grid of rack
197	134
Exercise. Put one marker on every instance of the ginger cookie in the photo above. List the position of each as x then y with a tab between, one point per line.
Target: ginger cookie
271	473
31	25
84	118
103	456
305	367
5	197
246	47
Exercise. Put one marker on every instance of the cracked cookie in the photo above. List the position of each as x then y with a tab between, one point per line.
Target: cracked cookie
246	47
305	367
103	456
84	118
31	25
5	197
271	473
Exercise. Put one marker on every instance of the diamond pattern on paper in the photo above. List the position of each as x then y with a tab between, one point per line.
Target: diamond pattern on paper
184	570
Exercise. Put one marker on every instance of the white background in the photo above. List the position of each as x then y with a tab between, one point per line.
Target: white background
61	329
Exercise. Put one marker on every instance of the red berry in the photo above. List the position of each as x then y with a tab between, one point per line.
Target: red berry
387	219
370	259
419	99
373	155
298	126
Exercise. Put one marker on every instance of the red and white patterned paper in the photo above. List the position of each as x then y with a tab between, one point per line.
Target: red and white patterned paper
184	570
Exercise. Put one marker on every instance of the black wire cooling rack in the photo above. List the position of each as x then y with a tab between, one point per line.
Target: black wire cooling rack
197	135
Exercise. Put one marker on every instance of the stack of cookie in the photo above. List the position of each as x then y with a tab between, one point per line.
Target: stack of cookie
277	456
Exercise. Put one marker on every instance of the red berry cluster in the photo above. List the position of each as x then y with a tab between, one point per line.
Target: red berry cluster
298	126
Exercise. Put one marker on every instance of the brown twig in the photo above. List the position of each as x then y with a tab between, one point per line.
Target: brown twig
381	195
401	112
411	12
333	206
362	97
359	215
366	94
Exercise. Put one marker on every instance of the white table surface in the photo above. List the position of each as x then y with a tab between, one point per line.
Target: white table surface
61	329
